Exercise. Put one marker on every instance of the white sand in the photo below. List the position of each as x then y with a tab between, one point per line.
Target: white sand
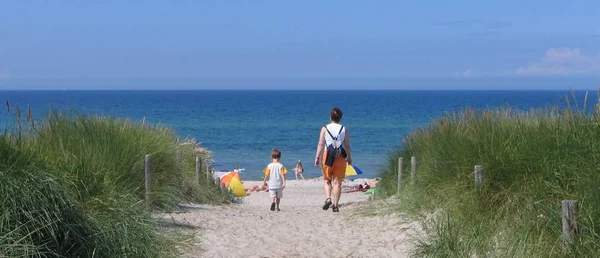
300	229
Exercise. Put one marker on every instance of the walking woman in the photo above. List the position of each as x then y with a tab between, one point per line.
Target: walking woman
333	153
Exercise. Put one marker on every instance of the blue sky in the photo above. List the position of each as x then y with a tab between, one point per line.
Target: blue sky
246	44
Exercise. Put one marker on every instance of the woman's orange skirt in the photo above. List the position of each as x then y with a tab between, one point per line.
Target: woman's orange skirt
338	171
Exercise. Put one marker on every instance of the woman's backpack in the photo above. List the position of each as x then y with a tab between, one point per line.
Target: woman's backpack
335	150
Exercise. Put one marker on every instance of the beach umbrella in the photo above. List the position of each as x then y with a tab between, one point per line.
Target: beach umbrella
352	170
219	174
233	183
227	177
236	187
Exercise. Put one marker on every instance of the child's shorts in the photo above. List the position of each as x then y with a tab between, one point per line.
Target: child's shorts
276	193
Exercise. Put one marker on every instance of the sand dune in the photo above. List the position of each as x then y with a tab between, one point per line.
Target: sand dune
300	229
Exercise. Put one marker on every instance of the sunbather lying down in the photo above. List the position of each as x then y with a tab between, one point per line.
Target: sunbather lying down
258	188
357	188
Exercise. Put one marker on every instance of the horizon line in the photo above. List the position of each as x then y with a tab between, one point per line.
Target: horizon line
259	89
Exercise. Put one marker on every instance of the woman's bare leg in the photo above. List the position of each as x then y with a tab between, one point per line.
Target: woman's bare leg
327	188
337	191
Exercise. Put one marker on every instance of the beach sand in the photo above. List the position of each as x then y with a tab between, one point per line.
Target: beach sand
300	229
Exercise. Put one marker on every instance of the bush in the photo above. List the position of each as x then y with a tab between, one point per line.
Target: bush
532	160
73	186
38	215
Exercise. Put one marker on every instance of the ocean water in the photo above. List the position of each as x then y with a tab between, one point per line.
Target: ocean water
241	127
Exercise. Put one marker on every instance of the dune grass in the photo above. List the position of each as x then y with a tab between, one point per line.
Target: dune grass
532	160
73	186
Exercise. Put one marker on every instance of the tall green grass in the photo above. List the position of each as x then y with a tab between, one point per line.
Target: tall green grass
73	186
33	208
532	160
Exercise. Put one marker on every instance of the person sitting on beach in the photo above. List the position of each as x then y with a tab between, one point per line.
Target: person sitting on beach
275	173
299	170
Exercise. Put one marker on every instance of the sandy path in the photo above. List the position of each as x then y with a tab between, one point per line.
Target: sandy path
300	229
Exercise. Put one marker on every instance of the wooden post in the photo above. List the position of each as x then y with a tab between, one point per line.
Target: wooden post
570	210
413	169
208	172
181	171
478	175
399	174
148	176
222	186
198	169
212	173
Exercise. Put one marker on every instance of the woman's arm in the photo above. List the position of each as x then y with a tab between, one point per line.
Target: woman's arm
347	147
320	146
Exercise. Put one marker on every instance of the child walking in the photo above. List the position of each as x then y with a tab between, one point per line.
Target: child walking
275	173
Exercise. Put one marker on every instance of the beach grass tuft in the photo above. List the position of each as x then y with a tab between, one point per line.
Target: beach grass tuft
72	185
532	159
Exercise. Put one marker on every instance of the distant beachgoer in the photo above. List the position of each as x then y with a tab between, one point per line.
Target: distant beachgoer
374	184
366	187
275	173
257	188
354	188
299	170
333	153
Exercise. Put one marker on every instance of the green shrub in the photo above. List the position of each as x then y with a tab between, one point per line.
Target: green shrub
38	216
532	160
74	186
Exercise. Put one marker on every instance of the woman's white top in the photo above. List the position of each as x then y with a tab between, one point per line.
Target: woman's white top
334	129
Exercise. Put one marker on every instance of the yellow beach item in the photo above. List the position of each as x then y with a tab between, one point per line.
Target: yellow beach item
226	178
236	186
352	170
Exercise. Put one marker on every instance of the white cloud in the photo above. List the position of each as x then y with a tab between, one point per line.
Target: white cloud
465	73
563	61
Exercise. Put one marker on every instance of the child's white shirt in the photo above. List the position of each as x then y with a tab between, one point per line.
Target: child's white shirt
276	171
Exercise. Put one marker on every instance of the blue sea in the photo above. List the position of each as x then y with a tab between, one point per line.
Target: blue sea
241	127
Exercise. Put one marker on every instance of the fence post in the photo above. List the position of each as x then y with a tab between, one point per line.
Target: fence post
148	177
216	178
208	172
413	169
222	186
478	175
179	156
198	169
570	210
399	174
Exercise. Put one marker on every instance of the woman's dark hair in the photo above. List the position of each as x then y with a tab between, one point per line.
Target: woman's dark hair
336	114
